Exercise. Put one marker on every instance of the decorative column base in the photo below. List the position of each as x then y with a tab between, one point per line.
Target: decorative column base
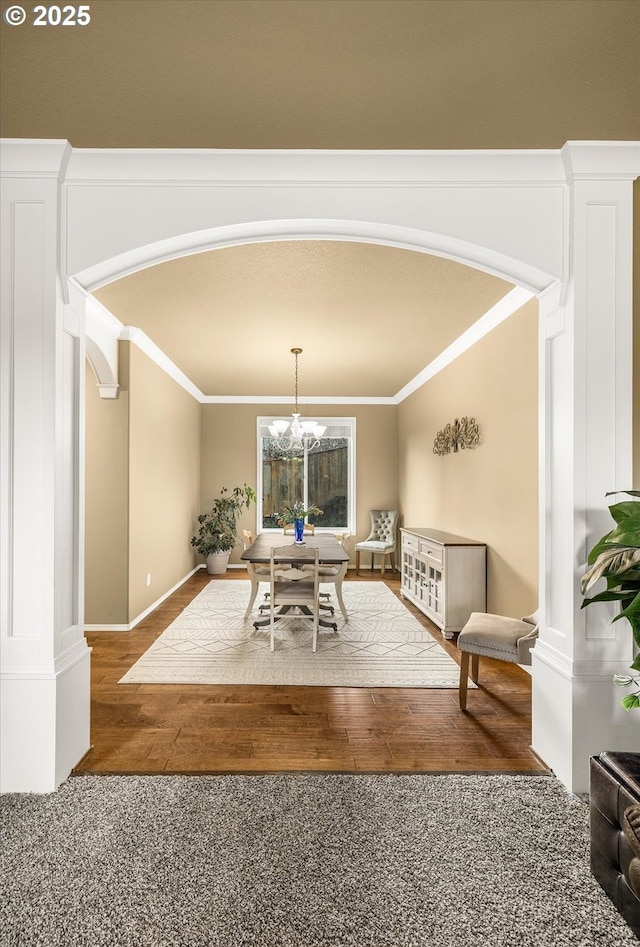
45	726
576	714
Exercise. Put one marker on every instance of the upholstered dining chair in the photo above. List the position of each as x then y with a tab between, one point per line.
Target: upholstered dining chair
381	540
294	581
494	636
257	573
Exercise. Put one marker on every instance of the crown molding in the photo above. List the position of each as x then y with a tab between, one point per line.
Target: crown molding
34	158
26	157
601	160
505	307
199	167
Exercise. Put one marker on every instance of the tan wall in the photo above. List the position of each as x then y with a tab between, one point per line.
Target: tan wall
229	455
164	481
106	504
489	493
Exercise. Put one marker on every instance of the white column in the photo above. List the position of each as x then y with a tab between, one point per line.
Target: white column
585	451
45	660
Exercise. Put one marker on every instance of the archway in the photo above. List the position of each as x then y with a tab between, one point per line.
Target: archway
558	222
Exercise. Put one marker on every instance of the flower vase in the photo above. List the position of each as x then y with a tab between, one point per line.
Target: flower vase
298	529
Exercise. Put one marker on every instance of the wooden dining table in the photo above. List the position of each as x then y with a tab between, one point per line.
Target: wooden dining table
258	555
330	552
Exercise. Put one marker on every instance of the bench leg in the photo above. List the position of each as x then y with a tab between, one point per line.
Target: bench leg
464	674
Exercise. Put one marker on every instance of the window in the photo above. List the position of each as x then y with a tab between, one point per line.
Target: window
324	476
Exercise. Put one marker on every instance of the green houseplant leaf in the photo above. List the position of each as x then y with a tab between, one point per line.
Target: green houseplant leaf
218	529
611	562
629	701
616	559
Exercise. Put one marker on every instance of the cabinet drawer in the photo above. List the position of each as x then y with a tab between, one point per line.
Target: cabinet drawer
432	550
410	542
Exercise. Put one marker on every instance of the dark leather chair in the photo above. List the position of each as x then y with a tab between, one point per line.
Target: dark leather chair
615	830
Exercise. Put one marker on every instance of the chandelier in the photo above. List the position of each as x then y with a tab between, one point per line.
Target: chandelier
296	435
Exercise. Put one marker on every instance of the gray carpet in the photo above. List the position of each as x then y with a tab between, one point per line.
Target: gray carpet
304	860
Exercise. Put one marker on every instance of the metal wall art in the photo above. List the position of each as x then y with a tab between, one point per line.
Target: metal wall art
463	433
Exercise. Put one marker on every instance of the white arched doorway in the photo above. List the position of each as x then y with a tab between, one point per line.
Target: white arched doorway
558	223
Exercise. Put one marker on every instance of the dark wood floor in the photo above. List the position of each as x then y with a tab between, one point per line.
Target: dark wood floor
193	728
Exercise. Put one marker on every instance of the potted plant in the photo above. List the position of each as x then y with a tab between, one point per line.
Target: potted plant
616	558
297	514
218	532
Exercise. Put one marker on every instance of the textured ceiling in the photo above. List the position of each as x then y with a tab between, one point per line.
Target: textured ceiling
426	74
329	74
367	317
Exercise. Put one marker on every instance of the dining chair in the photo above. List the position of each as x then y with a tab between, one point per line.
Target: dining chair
335	575
494	636
381	540
308	528
257	573
343	539
294	582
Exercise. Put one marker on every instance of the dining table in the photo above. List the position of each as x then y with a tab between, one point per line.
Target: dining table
258	557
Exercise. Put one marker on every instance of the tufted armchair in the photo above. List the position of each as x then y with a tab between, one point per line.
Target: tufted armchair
381	541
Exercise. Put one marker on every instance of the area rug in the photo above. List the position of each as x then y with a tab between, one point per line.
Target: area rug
382	645
304	860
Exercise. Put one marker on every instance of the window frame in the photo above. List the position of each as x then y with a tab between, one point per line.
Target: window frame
338	427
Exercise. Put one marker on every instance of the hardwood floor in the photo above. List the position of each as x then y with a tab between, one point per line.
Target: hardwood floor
167	728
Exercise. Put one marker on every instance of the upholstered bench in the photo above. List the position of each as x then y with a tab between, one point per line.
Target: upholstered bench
494	636
615	831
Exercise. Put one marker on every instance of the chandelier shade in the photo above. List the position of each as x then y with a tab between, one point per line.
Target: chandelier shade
296	435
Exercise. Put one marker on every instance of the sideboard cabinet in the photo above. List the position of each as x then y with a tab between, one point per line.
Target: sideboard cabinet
444	575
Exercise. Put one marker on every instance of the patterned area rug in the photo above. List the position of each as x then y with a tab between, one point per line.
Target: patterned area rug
382	645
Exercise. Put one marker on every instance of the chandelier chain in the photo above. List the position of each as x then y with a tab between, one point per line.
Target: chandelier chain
303	435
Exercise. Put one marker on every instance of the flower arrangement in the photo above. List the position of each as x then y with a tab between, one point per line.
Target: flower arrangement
298	512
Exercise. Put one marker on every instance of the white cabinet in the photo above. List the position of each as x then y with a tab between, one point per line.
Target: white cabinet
444	575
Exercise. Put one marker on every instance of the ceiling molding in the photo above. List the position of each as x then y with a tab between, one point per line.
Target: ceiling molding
144	343
506	307
601	160
224	167
39	158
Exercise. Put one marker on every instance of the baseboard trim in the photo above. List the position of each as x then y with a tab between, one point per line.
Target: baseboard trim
136	621
131	625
